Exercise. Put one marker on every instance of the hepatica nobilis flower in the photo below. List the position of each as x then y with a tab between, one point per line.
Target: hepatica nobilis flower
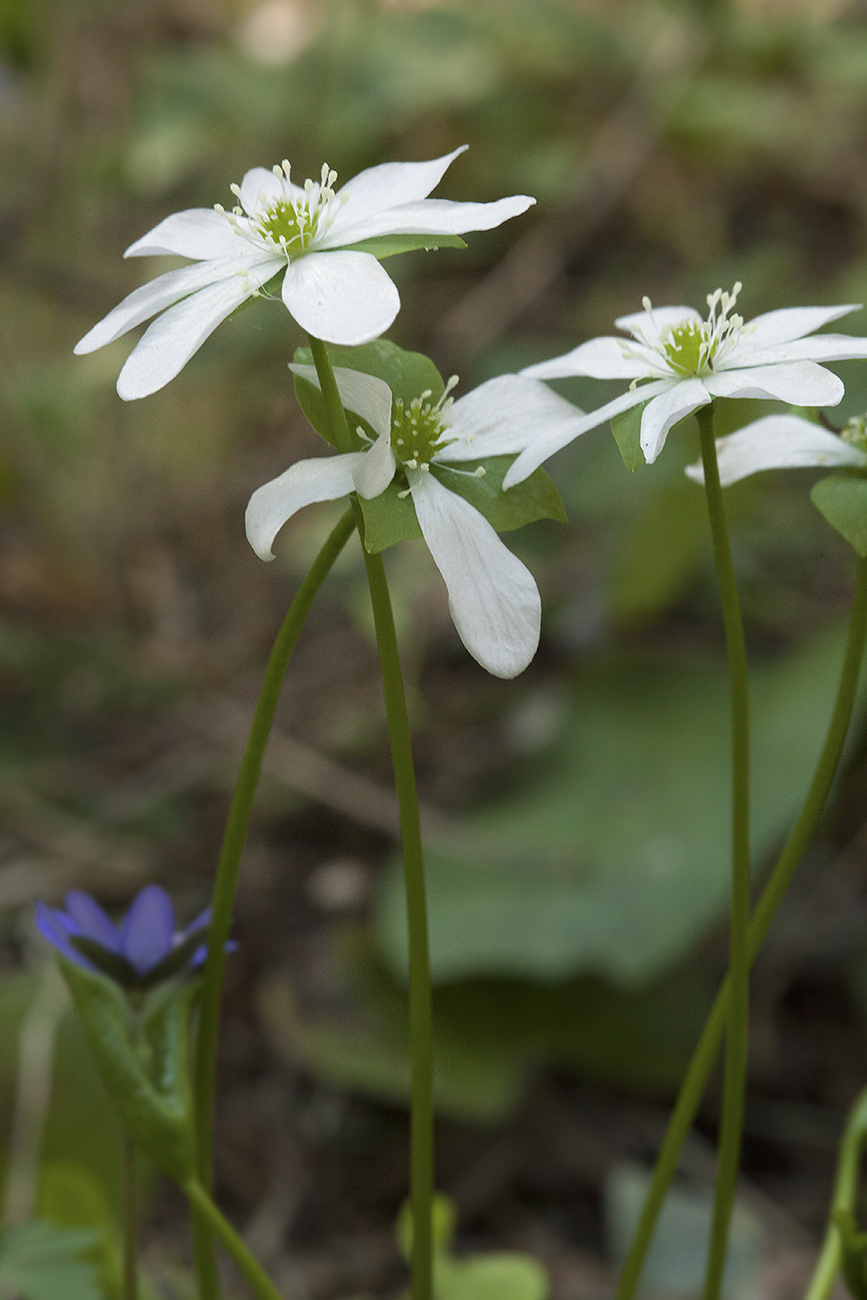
325	242
676	362
427	447
142	950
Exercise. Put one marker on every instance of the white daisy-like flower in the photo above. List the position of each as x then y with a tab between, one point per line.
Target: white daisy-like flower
493	597
324	240
677	362
785	442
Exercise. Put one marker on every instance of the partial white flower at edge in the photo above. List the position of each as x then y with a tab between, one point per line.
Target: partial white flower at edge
677	362
334	289
780	442
493	598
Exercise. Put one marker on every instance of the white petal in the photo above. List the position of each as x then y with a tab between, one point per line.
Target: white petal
155	296
167	345
340	297
792	323
821	347
389	185
668	409
365	395
493	598
800	383
506	415
778	442
259	187
376	469
198	233
650	325
427	217
538	452
600	358
301	484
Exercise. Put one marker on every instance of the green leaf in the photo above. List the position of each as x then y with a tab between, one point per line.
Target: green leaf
39	1261
387	245
389	518
535	498
147	1082
854	1251
842	499
626	428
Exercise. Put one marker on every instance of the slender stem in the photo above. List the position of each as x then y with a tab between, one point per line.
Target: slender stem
333	405
734	1082
845	1193
421	1028
130	1233
244	1258
227	878
705	1053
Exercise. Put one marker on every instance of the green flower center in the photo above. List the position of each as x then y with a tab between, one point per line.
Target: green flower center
418	431
855	432
291	220
694	347
684	348
292	227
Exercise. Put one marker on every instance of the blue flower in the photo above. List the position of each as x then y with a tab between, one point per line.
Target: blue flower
142	950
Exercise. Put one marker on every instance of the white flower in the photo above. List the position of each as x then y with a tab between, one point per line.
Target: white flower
493	598
677	362
334	288
784	442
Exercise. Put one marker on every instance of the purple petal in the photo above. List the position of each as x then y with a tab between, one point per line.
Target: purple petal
148	930
91	921
56	927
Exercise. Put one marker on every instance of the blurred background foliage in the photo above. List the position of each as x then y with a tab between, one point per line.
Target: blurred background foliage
576	816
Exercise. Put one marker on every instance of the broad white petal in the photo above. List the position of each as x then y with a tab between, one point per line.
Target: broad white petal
800	383
155	296
365	395
389	185
324	479
167	345
340	297
376	469
600	358
651	325
504	416
426	217
821	347
493	598
778	442
259	187
198	233
667	410
538	452
792	323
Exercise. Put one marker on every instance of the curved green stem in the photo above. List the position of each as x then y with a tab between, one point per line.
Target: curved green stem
252	1270
333	405
421	1026
844	1197
705	1053
130	1233
227	878
734	1083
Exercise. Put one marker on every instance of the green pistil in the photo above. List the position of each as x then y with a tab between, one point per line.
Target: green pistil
287	227
685	348
418	432
855	432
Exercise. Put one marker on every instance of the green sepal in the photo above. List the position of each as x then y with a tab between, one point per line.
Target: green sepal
842	499
381	246
534	498
626	428
854	1253
148	1081
124	973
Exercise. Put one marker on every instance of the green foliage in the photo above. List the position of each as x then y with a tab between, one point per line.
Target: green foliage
535	498
382	246
39	1261
626	428
501	1275
854	1248
842	499
147	1079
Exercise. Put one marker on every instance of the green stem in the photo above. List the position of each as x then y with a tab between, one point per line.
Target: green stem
130	1235
252	1270
227	878
705	1053
844	1197
734	1082
333	405
421	1027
